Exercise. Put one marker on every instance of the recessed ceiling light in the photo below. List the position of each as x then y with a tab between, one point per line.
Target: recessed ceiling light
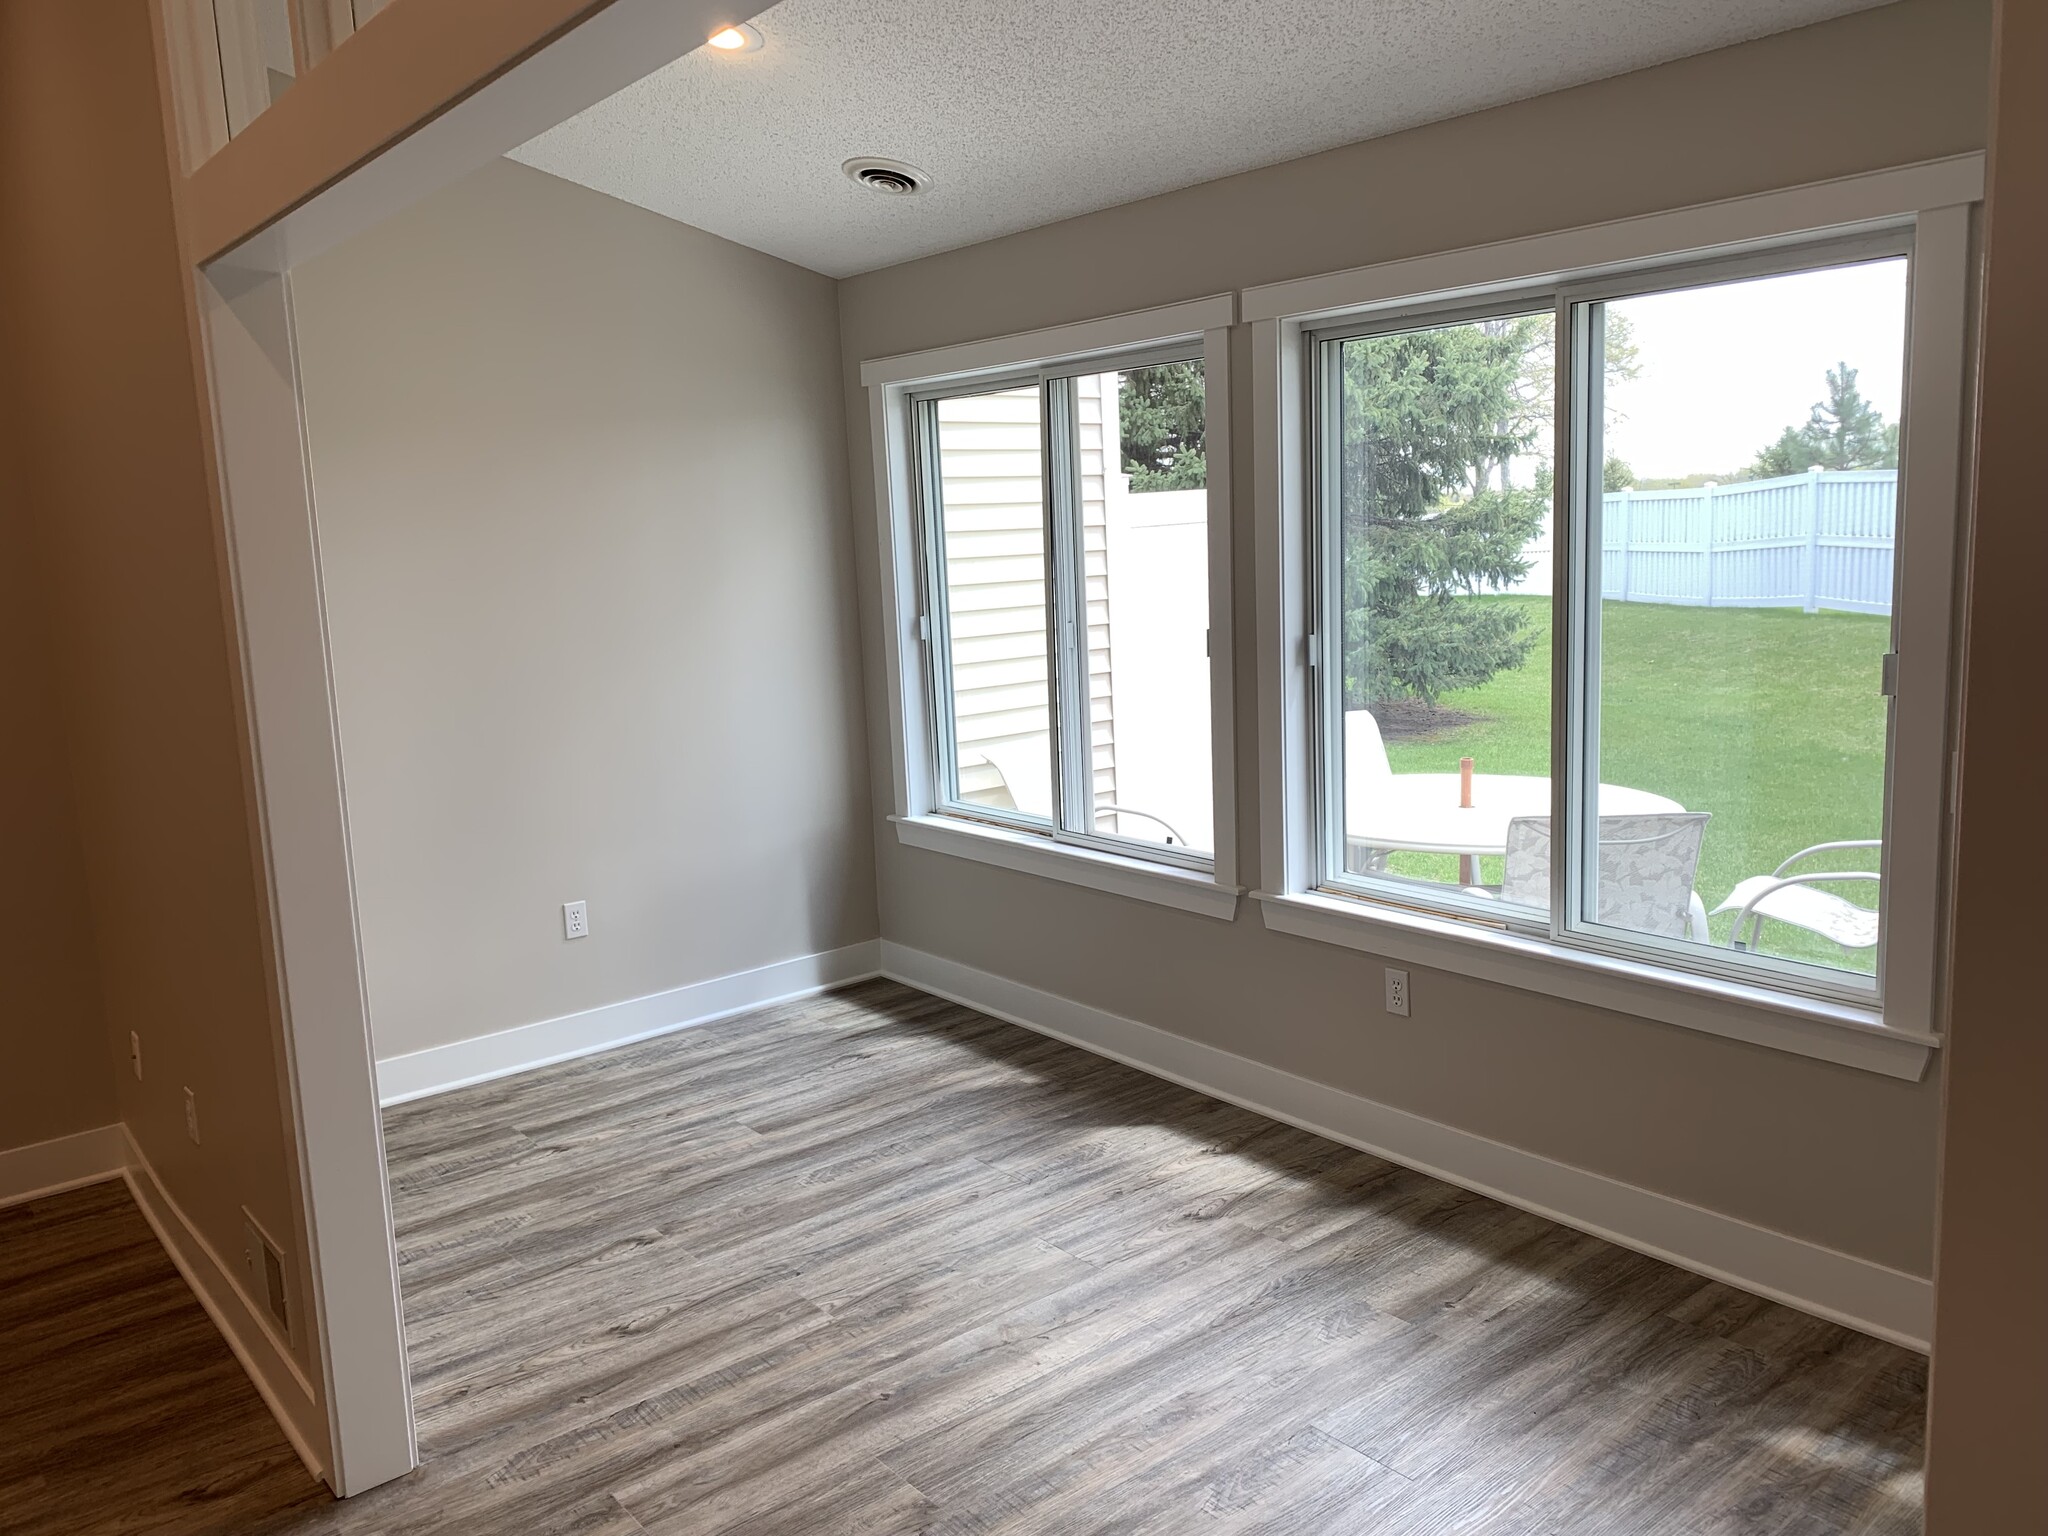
737	38
893	177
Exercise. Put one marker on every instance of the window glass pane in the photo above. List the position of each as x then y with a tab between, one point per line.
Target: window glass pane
1437	467
1748	439
1144	547
991	512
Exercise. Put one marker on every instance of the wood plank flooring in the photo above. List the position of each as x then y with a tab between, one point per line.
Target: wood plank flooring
877	1264
121	1409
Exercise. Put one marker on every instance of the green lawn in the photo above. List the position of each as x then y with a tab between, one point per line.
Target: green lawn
1770	718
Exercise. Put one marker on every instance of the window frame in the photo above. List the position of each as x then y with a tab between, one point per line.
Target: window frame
1574	682
1320	349
1933	205
1575	675
928	812
934	619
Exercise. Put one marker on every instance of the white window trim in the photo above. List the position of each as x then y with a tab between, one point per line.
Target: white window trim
1191	890
890	382
1934	200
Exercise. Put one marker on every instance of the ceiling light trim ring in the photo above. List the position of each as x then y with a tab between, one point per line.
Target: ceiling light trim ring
738	37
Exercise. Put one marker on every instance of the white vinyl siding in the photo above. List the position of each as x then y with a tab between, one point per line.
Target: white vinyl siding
990	487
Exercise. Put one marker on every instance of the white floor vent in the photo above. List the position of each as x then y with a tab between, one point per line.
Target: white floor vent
263	1264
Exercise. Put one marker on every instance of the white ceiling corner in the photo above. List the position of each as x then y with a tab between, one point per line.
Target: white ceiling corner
1026	113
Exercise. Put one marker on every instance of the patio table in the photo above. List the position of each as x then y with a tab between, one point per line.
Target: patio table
1419	812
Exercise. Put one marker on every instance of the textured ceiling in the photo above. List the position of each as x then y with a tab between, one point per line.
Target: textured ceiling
1028	111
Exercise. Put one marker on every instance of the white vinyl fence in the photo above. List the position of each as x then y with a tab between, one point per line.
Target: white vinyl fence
1158	607
1818	540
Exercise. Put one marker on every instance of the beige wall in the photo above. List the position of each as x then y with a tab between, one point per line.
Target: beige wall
114	481
580	479
59	1077
1837	1156
1990	1408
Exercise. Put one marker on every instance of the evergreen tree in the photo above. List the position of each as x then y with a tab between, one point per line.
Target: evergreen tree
1844	431
1430	421
1159	413
1791	454
1433	421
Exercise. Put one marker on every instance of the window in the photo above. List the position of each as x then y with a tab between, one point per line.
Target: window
1602	605
1435	488
986	550
1731	650
1062	539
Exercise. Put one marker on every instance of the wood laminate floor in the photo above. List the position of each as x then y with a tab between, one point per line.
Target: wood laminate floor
877	1264
121	1409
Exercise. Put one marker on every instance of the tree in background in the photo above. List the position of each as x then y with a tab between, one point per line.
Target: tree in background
1433	423
1159	414
1431	420
1844	431
1534	393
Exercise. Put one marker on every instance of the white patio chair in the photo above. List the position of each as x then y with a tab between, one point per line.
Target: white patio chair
1365	765
1024	764
1793	899
1645	871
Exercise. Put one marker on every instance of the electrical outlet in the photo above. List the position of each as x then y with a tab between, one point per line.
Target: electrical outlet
191	1117
135	1052
575	919
1397	992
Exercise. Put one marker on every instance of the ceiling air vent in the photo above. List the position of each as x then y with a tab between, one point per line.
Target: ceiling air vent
890	176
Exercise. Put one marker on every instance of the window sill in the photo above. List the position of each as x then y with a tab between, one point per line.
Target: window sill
1189	890
1828	1031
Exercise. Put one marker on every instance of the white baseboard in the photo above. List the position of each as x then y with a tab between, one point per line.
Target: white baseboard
61	1163
1856	1292
264	1353
108	1152
441	1068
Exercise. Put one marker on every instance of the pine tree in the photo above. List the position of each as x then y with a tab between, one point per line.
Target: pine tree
1160	420
1844	431
1430	420
1433	421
